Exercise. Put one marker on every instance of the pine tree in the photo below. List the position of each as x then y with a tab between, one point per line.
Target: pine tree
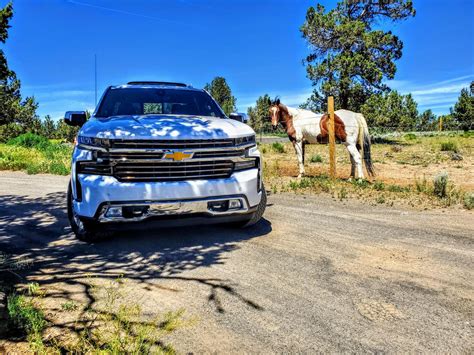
48	127
221	92
391	111
463	112
17	115
349	58
259	115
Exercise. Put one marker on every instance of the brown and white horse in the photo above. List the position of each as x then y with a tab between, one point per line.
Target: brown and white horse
304	126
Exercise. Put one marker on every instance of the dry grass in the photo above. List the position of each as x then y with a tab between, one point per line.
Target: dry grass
114	325
405	166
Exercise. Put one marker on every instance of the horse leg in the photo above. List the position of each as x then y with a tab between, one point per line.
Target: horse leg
355	155
299	154
304	151
353	166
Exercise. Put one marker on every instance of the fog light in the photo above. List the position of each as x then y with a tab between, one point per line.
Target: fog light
235	204
134	211
114	212
218	206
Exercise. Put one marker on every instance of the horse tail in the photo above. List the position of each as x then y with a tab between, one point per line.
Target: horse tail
364	142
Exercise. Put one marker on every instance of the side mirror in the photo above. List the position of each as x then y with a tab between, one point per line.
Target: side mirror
75	118
237	116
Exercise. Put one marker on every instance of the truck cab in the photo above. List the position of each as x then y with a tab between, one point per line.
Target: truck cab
165	152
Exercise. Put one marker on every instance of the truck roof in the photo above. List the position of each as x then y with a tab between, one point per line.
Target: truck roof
154	84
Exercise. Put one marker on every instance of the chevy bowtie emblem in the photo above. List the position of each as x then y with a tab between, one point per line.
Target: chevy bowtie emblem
178	156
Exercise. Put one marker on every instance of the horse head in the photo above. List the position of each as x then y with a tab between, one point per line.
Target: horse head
275	112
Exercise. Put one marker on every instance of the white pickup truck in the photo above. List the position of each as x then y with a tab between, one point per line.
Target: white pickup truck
165	152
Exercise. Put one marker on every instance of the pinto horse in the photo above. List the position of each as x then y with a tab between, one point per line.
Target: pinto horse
304	126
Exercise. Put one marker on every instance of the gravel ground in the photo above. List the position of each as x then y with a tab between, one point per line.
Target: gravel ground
314	275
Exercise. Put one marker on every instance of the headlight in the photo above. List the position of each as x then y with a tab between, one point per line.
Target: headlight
93	142
245	140
245	164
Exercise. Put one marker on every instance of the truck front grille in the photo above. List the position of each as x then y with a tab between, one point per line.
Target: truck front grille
172	144
148	160
172	171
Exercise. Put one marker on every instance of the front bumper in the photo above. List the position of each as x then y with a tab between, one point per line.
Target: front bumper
190	197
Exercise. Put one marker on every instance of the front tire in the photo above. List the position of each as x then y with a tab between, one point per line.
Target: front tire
86	231
258	214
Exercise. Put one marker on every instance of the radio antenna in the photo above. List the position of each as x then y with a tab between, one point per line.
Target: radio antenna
95	77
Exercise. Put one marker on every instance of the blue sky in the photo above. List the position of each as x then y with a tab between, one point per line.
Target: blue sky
256	45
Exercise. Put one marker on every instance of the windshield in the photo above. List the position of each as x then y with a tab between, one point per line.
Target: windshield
147	101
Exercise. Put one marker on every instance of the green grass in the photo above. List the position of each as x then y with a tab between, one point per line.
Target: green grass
379	185
449	146
113	326
69	306
30	140
316	158
468	200
26	318
278	147
35	154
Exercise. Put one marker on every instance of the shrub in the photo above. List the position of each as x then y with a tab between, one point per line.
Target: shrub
456	156
55	159
278	147
421	185
449	146
30	140
379	186
440	183
360	183
410	136
24	316
469	200
316	159
342	194
397	188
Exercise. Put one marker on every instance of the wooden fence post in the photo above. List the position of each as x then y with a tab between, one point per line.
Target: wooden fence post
440	123
332	138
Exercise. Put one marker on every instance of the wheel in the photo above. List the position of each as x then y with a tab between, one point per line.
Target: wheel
257	215
86	231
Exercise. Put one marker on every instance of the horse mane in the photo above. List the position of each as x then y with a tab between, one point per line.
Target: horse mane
287	122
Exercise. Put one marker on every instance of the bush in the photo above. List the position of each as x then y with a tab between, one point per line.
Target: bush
456	156
316	159
278	147
397	188
449	146
24	316
410	136
54	159
379	186
469	200
30	140
422	185
440	183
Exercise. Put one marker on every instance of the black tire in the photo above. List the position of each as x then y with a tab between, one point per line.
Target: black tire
257	215
86	231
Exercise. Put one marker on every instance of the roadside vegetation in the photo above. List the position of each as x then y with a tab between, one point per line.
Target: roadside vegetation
420	170
114	325
36	154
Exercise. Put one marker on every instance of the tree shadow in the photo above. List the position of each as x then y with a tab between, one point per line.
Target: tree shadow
37	229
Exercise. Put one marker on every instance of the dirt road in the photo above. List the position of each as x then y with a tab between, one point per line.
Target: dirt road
316	274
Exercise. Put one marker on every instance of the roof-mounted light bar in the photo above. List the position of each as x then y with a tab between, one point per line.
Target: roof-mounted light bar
162	83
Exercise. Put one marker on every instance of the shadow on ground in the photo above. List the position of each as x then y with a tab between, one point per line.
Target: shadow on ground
38	230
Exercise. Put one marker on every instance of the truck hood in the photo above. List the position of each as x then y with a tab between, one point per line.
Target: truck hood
164	127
